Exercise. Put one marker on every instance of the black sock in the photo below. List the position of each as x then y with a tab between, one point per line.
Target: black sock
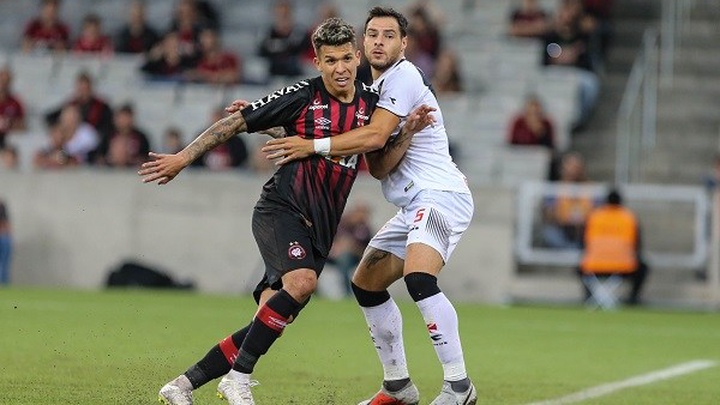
218	361
267	326
396	385
460	386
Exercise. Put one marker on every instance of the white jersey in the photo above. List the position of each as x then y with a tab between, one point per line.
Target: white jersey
427	163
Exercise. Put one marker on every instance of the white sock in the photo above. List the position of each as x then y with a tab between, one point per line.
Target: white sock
238	376
182	382
442	323
385	324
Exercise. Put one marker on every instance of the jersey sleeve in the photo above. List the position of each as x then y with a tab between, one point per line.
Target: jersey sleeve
279	108
399	91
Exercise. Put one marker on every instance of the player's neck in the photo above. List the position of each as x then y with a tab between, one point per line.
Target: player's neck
345	96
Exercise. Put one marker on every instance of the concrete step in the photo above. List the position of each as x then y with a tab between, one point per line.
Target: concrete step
662	288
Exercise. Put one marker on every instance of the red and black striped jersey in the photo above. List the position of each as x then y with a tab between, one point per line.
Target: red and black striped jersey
315	188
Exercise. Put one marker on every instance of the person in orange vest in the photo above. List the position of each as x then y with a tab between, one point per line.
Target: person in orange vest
612	245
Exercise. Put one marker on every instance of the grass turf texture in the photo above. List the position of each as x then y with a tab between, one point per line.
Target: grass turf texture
120	347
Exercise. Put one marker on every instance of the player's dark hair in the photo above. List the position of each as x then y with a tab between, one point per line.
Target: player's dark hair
333	32
380	11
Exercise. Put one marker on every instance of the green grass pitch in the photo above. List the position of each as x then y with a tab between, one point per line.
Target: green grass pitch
120	347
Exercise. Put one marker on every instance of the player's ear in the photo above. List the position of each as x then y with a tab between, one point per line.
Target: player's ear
403	43
317	63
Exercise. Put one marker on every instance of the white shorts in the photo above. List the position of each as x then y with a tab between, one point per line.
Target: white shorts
435	218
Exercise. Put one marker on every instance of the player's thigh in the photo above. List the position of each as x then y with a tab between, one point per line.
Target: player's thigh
377	270
287	250
436	221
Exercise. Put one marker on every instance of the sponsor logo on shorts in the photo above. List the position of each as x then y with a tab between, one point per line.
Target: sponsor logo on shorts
296	252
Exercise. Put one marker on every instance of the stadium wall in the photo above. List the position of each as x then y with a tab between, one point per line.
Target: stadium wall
71	228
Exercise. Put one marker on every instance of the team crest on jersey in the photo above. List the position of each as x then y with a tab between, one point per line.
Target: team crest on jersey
296	252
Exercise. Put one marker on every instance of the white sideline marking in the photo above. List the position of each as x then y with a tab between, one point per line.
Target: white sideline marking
643	379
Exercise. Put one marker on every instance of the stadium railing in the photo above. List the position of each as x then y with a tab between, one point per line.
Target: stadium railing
674	221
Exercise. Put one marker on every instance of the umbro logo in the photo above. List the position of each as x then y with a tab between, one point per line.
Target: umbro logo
322	121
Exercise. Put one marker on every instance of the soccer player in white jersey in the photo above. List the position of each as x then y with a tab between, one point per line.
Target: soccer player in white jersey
435	208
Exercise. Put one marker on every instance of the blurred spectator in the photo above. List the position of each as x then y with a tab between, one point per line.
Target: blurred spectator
46	32
601	11
229	155
533	127
529	20
425	31
284	42
353	235
137	35
71	141
12	111
128	146
165	61
187	25
5	245
93	109
712	179
612	245
565	213
172	141
208	14
566	45
80	138
216	65
53	156
9	159
415	54
92	39
325	10
446	77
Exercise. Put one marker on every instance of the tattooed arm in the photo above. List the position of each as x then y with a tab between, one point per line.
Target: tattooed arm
383	161
163	168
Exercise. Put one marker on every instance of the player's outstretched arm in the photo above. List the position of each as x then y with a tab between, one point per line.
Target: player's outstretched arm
383	161
360	140
239	104
163	167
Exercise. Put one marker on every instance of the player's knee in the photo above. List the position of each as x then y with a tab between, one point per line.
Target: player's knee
300	284
421	285
367	298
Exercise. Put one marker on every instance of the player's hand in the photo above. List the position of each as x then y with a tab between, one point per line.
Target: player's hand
288	149
236	106
162	168
418	119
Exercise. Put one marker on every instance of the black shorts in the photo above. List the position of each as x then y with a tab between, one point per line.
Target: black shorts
285	243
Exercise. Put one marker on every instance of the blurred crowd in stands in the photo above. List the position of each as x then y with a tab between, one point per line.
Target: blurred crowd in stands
88	128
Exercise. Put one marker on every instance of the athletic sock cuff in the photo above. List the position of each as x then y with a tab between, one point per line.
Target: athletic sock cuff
367	298
421	285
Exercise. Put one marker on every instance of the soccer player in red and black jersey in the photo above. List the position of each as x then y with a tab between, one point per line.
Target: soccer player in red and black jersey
296	218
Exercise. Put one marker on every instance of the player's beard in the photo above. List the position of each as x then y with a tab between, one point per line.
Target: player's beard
383	66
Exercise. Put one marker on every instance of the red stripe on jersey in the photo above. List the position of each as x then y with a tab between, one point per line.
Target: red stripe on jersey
228	348
271	319
322	168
